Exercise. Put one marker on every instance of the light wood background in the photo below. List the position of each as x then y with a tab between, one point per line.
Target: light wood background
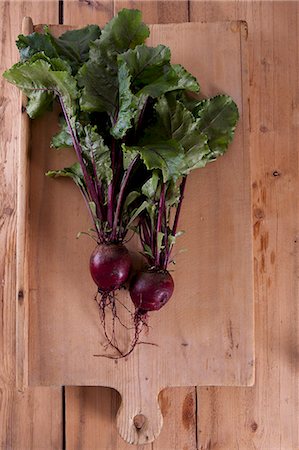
263	417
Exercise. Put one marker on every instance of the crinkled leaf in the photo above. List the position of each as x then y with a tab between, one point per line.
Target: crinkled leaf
166	82
146	64
74	45
127	109
95	150
136	68
42	101
217	118
63	138
35	43
185	79
149	188
174	78
176	122
99	76
129	154
167	156
124	31
187	100
38	76
100	88
38	103
74	172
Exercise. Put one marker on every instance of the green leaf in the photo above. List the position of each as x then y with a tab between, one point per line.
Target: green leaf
129	154
34	76
217	118
94	149
127	103
93	208
172	239
187	100
147	251
99	76
74	172
42	101
167	156
174	78
38	103
149	188
35	43
62	139
131	197
166	82
100	88
74	45
160	237
185	79
173	193
136	68
175	122
137	212
124	31
146	64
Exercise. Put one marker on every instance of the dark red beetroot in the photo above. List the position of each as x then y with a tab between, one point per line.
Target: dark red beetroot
150	290
110	266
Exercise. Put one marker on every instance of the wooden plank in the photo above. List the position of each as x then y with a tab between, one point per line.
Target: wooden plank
91	413
31	419
87	12
266	416
179	408
215	362
157	11
22	277
90	420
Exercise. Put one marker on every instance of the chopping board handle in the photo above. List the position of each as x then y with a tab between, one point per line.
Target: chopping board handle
139	419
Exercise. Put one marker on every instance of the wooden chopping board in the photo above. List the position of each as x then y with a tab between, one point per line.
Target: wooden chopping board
204	335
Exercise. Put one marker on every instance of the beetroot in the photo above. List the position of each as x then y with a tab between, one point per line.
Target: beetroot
150	290
110	266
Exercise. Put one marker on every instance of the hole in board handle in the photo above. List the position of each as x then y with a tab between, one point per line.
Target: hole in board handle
139	421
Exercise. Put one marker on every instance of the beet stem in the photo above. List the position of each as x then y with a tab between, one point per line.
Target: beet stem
78	151
159	221
121	195
177	215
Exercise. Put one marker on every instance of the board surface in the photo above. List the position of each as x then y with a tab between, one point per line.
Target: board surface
204	335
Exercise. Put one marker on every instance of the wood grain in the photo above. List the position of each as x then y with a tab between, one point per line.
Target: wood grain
22	275
31	419
265	417
219	283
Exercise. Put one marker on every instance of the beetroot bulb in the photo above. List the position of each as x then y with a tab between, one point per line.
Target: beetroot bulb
151	289
110	266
